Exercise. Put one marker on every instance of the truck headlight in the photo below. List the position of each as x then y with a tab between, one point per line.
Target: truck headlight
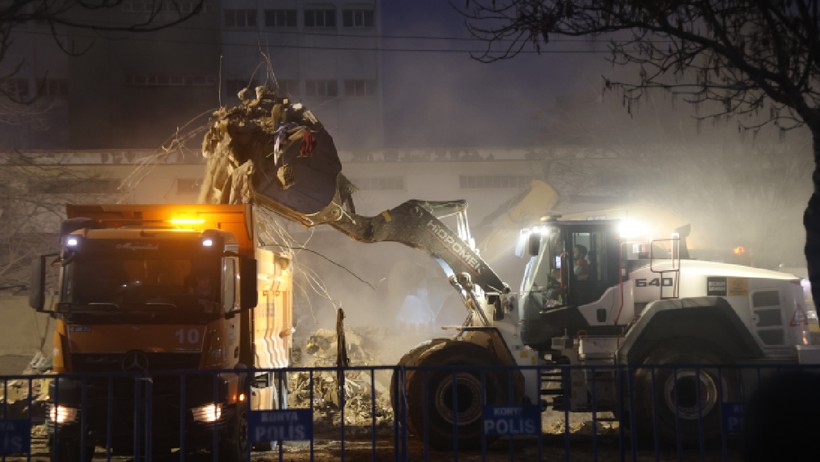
62	414
207	413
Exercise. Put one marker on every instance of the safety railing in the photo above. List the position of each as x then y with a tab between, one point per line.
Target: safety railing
664	412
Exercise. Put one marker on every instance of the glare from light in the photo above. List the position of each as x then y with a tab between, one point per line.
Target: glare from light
72	241
186	221
207	242
63	414
630	229
207	413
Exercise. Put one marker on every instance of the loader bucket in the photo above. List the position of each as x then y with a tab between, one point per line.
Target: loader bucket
309	182
269	147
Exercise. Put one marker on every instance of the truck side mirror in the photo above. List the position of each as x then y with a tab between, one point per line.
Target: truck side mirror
248	294
37	288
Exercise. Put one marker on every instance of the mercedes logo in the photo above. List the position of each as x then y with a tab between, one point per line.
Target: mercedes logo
135	360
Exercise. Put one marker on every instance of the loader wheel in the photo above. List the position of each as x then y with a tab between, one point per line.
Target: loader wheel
409	359
444	400
678	401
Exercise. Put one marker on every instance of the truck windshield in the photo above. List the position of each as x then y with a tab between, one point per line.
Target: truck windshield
140	283
543	285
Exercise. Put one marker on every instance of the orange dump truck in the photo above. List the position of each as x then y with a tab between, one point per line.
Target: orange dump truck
144	290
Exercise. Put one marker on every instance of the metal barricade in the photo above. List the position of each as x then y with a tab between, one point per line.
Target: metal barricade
372	415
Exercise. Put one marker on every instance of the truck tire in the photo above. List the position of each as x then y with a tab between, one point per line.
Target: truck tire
680	401
68	450
430	406
233	447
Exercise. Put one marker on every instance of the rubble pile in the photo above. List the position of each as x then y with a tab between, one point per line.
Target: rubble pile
320	351
272	149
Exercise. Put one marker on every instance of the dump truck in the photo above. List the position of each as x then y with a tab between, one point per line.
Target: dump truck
146	290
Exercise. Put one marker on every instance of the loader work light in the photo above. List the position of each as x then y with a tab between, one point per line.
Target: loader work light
631	229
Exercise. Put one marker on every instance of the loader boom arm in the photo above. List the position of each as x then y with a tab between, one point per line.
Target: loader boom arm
414	223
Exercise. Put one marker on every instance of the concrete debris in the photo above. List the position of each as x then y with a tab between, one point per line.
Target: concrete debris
555	423
362	406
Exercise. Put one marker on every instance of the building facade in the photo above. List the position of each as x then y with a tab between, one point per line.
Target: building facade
144	90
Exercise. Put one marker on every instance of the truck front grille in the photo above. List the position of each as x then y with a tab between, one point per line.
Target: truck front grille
111	362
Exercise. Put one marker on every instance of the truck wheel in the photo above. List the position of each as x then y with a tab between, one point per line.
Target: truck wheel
431	410
69	451
681	401
234	446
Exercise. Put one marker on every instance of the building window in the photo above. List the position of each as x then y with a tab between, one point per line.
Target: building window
493	181
15	87
188	186
357	17
360	87
240	19
390	183
320	17
280	18
86	186
52	87
165	80
234	86
152	6
321	88
288	87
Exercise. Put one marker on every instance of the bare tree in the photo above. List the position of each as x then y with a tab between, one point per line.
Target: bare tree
33	194
757	61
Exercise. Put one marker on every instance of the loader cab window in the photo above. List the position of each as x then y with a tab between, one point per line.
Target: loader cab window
544	282
594	268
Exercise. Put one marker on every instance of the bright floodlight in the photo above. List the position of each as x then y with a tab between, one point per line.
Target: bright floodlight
630	229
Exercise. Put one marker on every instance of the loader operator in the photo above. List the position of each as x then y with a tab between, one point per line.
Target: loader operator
581	266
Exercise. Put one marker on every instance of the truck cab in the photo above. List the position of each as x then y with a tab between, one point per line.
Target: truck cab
150	291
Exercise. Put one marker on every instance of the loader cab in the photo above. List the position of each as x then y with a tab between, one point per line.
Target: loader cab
570	264
577	260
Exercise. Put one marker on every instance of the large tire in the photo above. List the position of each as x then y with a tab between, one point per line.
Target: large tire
682	405
409	359
233	447
431	411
